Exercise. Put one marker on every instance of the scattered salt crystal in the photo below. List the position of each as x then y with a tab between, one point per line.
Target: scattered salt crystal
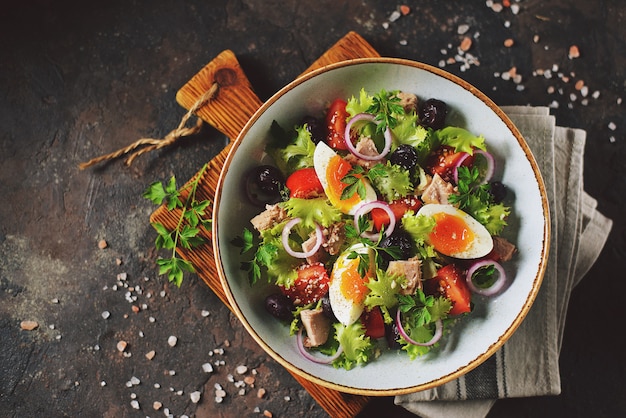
96	347
403	42
241	369
205	313
151	319
612	126
217	386
536	38
103	383
267	414
172	372
218	399
497	7
395	15
515	8
256	409
133	396
179	392
195	396
135	381
287	398
122	276
221	393
141	334
134	404
172	340
55	300
156	405
162	293
230	378
58	337
157	386
51	326
121	345
462	29
260	393
102	244
574	52
385	25
150	355
241	392
207	367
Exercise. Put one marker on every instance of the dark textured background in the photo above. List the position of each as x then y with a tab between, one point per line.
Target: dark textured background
81	78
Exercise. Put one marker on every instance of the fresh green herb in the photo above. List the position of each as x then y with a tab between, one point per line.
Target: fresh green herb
475	199
484	277
391	180
383	292
385	107
186	233
355	184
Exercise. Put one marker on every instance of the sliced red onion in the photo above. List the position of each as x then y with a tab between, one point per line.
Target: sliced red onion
370	118
310	356
367	208
319	237
495	287
405	335
491	166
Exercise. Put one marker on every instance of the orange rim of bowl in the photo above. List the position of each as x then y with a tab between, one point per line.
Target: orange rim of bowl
536	281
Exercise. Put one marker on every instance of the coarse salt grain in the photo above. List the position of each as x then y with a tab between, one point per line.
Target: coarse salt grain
102	244
156	405
134	404
260	393
121	345
462	29
207	367
195	396
395	15
205	313
574	52
612	126
150	355
172	340
241	369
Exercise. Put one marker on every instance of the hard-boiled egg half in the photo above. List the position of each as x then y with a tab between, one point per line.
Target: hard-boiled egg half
331	169
457	234
347	289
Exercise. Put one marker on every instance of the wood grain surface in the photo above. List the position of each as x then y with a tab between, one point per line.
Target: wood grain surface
229	110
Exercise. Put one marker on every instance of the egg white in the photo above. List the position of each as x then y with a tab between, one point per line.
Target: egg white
345	310
481	245
321	159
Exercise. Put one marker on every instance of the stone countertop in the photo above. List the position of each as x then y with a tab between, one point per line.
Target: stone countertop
79	79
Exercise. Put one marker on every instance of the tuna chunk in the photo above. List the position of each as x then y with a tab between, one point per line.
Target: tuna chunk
317	326
437	190
334	237
503	248
272	215
320	256
411	269
408	101
365	146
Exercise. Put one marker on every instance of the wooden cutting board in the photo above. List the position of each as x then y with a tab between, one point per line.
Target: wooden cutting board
228	111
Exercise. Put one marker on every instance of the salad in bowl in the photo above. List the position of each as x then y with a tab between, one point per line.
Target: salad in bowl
371	239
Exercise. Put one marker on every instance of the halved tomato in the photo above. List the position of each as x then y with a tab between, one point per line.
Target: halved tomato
374	323
336	124
310	286
398	207
304	184
450	283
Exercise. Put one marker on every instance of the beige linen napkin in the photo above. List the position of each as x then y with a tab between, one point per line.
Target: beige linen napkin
527	365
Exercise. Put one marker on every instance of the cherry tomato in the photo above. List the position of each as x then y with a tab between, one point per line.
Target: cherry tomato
310	286
398	207
449	282
374	323
443	160
304	184
336	124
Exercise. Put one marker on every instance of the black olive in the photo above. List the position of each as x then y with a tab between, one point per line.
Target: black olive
315	127
392	335
327	309
498	191
405	156
432	113
279	306
264	184
401	242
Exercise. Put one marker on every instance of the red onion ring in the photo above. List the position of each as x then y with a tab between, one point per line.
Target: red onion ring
368	207
370	118
436	337
309	356
491	166
495	287
319	237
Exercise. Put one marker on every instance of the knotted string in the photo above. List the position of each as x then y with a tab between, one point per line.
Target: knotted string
151	144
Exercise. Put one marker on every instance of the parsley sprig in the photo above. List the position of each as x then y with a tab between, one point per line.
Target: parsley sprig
186	233
384	106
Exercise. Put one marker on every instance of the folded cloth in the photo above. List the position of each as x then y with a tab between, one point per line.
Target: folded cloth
527	364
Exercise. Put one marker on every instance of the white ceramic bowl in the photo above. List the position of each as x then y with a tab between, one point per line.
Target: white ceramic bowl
474	338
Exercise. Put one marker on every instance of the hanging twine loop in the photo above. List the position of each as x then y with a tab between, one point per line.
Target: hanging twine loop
143	145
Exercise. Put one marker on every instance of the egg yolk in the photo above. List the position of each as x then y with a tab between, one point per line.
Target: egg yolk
337	169
352	285
451	235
